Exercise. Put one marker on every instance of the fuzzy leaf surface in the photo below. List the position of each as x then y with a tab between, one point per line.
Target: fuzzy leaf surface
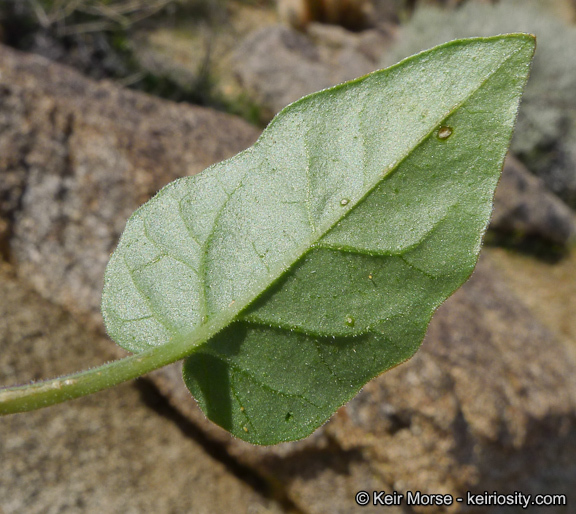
313	261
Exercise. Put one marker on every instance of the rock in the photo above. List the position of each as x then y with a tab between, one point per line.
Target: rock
488	403
524	207
89	456
546	286
78	157
545	135
278	65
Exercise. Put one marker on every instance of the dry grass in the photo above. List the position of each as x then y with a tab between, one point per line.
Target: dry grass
71	17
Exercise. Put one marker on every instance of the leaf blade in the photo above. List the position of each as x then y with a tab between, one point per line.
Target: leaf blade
287	206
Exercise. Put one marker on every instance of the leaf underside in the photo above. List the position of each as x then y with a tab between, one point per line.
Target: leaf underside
313	261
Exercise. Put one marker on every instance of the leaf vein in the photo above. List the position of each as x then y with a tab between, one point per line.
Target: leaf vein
308	199
238	369
164	252
164	322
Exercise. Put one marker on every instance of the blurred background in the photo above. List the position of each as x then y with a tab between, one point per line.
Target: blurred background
102	102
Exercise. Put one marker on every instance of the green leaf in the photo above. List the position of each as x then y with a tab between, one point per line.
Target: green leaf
312	262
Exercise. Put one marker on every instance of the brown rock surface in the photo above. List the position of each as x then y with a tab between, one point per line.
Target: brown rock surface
277	65
105	453
547	288
488	403
523	207
78	157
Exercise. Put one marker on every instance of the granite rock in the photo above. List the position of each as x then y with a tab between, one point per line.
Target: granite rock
488	402
109	452
524	207
278	65
77	157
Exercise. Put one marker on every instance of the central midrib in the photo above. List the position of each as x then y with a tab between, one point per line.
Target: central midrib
202	333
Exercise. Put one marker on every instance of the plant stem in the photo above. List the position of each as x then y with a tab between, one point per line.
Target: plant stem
49	392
